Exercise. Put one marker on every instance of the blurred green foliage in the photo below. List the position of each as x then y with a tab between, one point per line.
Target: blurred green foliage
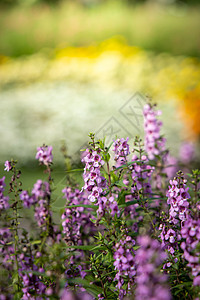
28	29
92	2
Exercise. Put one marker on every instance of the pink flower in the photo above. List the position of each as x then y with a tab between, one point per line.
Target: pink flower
8	166
44	155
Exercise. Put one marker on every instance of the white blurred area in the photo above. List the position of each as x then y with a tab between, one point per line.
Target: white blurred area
49	113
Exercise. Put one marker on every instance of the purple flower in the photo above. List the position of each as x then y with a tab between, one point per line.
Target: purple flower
79	295
76	221
171	166
3	199
8	166
151	284
31	283
186	152
41	190
96	185
39	197
121	150
27	200
4	202
177	199
100	297
141	174
94	182
44	155
190	232
124	264
196	281
2	184
169	239
41	213
49	291
6	247
154	143
67	295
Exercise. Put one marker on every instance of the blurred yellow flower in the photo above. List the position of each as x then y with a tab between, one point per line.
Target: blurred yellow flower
115	64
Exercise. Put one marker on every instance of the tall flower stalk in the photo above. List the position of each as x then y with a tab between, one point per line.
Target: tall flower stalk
15	189
150	282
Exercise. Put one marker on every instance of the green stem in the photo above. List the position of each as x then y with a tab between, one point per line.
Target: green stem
109	178
16	237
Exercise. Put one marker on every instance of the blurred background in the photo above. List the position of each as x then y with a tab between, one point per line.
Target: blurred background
71	67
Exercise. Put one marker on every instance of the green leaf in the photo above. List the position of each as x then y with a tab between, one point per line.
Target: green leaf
128	203
75	170
121	197
127	164
91	288
136	247
120	183
15	277
86	247
36	242
82	205
58	209
92	220
108	148
106	157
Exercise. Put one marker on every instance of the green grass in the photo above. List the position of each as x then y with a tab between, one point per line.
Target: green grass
27	30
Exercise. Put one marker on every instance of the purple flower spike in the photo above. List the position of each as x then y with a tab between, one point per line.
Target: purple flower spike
96	184
124	264
76	222
151	284
44	155
3	199
187	152
154	143
178	200
121	150
190	231
27	200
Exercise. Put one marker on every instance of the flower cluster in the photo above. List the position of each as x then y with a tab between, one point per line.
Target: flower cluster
170	239
31	283
141	173
186	152
74	271
177	199
170	165
124	263
151	283
108	204
8	166
81	294
76	221
44	155
121	150
39	197
154	143
6	247
3	199
27	200
41	192
190	231
96	184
